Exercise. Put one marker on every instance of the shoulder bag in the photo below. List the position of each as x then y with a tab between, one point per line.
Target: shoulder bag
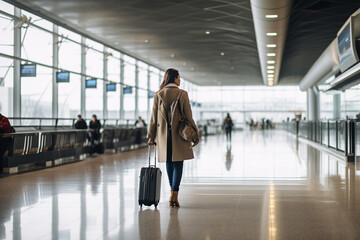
185	129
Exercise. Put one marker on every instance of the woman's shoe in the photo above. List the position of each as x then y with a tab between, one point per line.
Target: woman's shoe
175	202
171	199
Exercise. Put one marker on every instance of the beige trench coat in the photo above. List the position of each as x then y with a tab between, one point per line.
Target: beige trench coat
181	150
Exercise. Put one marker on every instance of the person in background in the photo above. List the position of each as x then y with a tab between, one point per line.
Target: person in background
80	123
95	127
5	142
228	125
140	123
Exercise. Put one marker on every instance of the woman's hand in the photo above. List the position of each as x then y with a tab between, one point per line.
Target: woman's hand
151	141
196	142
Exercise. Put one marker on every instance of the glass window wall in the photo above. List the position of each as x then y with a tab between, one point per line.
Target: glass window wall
36	94
245	103
129	81
6	86
94	96
143	93
113	98
69	59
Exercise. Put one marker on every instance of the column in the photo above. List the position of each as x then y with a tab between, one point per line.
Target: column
55	91
336	106
136	90
17	53
148	99
105	76
313	105
122	67
83	78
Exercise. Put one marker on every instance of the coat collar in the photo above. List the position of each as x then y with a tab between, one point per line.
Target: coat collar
171	85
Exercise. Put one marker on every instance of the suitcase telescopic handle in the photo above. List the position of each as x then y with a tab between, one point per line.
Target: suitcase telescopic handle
149	150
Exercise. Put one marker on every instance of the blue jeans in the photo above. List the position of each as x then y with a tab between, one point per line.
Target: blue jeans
174	169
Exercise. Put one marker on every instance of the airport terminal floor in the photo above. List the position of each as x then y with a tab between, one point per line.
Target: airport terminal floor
264	185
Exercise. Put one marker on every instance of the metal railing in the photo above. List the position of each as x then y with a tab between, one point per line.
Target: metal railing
336	134
63	122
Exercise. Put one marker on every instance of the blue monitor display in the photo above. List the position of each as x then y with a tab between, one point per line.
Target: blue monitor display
111	87
62	77
91	83
28	70
347	53
151	94
127	90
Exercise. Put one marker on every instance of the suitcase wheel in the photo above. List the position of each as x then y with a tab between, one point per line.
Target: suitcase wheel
156	204
141	205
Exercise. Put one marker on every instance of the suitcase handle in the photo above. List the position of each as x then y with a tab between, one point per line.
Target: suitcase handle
149	150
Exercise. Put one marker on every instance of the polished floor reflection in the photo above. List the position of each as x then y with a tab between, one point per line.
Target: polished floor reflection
264	185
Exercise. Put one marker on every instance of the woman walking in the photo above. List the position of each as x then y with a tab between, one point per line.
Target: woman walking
228	125
163	129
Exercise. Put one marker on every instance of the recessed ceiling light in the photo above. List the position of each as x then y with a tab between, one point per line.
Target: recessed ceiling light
184	64
270	67
172	55
232	68
147	41
271	62
270	75
222	54
271	54
271	16
117	43
271	45
207	32
271	34
270	71
192	69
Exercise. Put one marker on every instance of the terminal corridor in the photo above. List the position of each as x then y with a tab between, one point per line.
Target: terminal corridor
264	185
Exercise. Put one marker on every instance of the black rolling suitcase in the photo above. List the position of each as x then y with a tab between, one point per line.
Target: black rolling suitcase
150	184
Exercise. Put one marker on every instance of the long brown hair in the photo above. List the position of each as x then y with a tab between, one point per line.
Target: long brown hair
170	75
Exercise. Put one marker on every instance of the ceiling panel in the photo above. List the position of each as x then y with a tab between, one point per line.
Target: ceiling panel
173	27
178	27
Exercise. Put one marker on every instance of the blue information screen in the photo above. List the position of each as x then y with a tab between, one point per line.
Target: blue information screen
62	77
28	70
127	90
90	83
151	94
110	87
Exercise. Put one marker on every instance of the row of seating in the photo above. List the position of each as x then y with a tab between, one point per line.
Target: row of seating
51	147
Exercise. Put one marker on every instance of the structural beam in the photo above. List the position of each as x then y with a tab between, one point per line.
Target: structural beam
83	78
55	90
17	53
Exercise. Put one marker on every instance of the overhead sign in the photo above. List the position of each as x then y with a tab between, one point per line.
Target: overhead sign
62	77
151	94
90	83
28	70
127	90
111	87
